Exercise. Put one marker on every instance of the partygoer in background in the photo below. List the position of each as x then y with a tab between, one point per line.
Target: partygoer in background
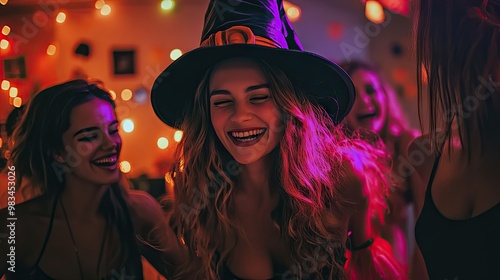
68	144
376	109
458	50
266	186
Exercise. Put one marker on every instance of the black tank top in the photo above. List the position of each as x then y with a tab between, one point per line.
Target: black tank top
458	249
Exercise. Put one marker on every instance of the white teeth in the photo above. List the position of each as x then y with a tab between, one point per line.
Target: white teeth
247	134
106	160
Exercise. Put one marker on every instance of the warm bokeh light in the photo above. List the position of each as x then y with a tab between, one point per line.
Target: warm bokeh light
105	10
17	102
125	166
374	11
175	54
167	4
113	94
51	50
1	144
162	143
13	92
127	125
4	44
5	30
5	85
178	136
4	2
126	94
61	17
99	4
292	11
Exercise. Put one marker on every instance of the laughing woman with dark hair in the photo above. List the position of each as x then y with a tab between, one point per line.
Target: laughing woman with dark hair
85	225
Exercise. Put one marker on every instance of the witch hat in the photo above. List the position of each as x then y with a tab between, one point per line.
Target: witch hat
256	29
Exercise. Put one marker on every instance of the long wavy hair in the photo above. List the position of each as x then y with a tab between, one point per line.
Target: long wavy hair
309	168
458	58
39	136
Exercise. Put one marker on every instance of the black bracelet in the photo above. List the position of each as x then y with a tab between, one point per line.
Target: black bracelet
365	245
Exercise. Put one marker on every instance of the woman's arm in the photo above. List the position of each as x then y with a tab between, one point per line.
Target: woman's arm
371	257
160	245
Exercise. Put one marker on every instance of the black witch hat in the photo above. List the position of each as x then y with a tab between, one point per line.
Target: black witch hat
250	28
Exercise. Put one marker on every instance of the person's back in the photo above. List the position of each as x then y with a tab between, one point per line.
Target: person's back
458	228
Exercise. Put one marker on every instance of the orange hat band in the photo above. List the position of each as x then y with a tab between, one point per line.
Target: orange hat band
238	35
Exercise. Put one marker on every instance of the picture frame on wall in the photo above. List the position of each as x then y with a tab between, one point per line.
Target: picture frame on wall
123	62
15	68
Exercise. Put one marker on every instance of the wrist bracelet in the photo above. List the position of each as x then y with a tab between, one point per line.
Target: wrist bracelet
365	245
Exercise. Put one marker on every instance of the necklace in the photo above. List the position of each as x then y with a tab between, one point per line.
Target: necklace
75	248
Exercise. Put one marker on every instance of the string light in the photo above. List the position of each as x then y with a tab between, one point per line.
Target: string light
5	30
61	17
4	2
175	54
126	94
113	94
178	136
17	102
51	50
4	44
125	166
105	10
127	125
162	143
13	92
5	85
374	11
99	4
292	11
167	5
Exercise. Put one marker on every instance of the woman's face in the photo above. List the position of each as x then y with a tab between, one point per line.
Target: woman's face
244	116
92	144
369	110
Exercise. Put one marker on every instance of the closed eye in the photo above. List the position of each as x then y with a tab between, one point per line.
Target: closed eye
222	103
259	99
88	138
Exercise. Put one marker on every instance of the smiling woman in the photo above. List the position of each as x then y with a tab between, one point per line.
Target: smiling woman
266	185
67	145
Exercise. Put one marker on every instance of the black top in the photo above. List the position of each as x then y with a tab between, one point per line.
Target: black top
36	273
283	273
458	249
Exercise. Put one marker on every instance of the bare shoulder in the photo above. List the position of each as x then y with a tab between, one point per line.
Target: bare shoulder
420	156
145	210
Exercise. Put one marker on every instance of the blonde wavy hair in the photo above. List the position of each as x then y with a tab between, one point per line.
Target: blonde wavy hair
309	168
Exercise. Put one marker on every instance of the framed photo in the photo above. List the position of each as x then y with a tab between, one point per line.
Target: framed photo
14	68
124	62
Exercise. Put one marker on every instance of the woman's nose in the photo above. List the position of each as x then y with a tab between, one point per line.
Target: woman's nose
242	113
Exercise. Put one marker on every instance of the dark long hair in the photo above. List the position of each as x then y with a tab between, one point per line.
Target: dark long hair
458	62
39	136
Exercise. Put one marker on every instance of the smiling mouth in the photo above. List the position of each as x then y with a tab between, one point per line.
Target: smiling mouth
247	138
107	161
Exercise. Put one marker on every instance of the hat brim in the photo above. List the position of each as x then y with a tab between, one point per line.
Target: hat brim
322	79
